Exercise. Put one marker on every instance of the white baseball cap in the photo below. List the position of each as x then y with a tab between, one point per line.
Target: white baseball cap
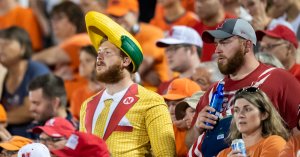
181	35
35	150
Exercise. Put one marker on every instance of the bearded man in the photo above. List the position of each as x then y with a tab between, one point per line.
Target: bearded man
132	120
235	39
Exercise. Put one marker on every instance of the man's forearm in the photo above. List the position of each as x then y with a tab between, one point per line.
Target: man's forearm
192	135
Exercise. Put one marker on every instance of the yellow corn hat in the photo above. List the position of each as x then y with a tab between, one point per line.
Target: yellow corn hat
99	25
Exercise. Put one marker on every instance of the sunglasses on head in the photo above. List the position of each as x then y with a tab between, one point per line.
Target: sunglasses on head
248	90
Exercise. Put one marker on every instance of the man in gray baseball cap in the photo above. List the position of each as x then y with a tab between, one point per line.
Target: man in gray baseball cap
231	27
234	41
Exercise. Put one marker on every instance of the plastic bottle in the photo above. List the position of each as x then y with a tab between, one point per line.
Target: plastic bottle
216	101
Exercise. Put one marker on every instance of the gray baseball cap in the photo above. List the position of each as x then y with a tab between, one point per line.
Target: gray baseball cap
229	28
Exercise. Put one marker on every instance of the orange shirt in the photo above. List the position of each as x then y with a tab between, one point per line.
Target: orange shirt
291	148
187	19
181	149
3	116
78	97
268	147
189	5
72	85
72	46
147	37
24	18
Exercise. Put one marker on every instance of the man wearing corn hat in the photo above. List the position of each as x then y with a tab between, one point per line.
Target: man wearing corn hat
131	119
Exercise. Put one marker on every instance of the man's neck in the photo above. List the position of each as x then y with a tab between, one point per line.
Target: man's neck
174	11
119	86
62	112
16	69
214	20
249	66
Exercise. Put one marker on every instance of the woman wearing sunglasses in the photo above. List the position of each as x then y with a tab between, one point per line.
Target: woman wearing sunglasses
256	121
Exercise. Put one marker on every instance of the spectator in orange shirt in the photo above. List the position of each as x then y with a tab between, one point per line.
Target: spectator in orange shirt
292	147
171	12
11	14
282	43
256	121
87	65
154	68
67	20
178	90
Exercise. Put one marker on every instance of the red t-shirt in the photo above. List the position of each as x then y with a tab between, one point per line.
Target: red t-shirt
295	70
208	49
277	83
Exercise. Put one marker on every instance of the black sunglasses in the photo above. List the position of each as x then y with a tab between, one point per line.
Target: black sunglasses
248	90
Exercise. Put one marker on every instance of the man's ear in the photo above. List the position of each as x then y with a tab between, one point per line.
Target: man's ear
56	103
126	61
247	46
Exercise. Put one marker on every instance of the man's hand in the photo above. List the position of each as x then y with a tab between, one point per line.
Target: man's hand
4	134
205	117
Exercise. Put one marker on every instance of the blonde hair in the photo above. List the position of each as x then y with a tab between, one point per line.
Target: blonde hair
272	125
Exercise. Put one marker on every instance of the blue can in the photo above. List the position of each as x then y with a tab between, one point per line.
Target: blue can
239	144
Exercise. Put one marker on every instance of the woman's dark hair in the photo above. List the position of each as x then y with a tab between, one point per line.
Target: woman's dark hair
73	12
20	35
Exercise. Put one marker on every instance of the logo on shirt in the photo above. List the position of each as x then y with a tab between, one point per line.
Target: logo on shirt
128	100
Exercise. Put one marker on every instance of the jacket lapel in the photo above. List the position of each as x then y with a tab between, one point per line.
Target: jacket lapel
90	111
128	100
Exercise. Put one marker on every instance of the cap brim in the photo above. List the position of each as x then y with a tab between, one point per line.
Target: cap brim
167	42
260	34
173	96
8	146
180	110
211	36
47	130
116	11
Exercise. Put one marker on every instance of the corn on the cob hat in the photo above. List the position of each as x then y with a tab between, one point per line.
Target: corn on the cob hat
100	26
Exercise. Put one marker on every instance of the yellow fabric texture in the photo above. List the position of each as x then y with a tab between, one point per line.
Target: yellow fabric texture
101	120
152	128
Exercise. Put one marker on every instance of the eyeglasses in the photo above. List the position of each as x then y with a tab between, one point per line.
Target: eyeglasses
270	46
248	90
51	139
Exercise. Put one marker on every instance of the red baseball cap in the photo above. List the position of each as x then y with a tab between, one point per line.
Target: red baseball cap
56	127
280	32
82	144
